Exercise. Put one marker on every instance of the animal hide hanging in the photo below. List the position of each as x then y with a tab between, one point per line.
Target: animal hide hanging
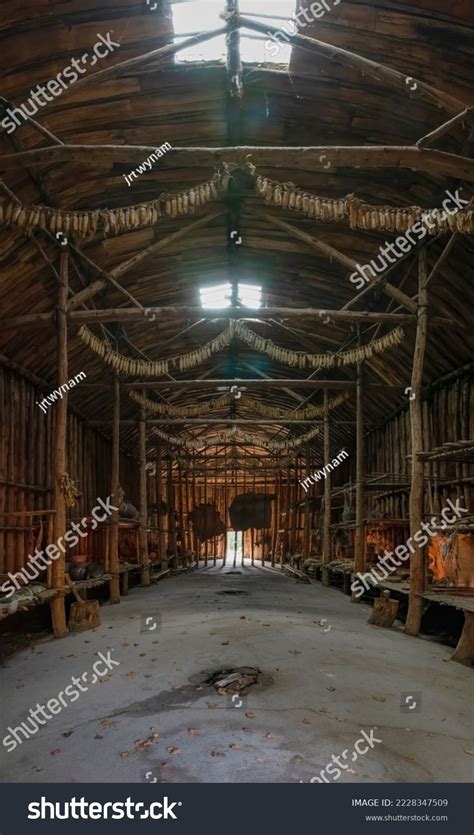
206	521
251	510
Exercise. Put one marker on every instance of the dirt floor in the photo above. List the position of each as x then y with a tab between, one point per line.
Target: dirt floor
324	676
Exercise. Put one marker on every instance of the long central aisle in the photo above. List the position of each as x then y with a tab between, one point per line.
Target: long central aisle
324	677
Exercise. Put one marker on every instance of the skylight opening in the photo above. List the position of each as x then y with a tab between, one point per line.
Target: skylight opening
193	16
216	297
219	296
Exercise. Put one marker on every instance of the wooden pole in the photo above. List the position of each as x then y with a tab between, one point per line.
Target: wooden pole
181	515
225	507
143	517
264	532
276	519
114	489
171	513
418	559
286	526
307	509
327	486
159	499
58	612
294	512
359	555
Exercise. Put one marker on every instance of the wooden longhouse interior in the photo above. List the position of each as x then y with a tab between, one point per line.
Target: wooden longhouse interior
236	367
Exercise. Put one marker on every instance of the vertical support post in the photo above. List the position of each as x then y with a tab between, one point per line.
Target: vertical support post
286	534
58	612
359	555
327	485
418	559
294	512
276	518
307	509
171	514
159	499
114	489
143	517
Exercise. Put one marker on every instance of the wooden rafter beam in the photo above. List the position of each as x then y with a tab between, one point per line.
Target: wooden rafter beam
305	158
152	314
242	382
385	75
429	138
331	252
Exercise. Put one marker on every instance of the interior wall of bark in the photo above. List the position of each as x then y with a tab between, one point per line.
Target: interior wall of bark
448	416
26	435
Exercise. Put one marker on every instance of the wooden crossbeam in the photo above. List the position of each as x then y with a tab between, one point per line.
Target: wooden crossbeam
296	158
153	315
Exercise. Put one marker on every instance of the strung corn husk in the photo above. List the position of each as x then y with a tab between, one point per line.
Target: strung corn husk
237	328
113	221
235	434
361	215
194	410
200	409
69	489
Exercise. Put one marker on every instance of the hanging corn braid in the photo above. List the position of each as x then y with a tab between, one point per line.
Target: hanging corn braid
83	224
237	328
235	434
197	410
361	215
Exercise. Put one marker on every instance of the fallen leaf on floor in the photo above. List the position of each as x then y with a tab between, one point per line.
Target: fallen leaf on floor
143	744
199	689
409	758
234	746
331	689
224	643
131	674
142	654
350	771
378	698
296	759
147	675
242	617
469	751
339	719
125	645
250	714
99	736
269	736
194	731
108	723
295	651
212	706
67	733
306	721
55	751
324	710
174	751
124	754
217	754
